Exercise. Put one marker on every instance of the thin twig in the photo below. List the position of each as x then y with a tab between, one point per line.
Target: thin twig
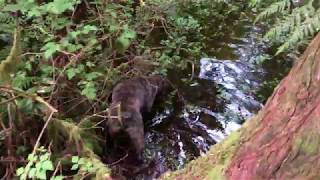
42	131
57	168
118	161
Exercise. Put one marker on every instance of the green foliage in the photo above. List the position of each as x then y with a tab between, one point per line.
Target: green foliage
295	24
7	22
37	167
83	164
282	6
123	41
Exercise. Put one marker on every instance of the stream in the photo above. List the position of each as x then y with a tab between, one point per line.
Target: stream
222	96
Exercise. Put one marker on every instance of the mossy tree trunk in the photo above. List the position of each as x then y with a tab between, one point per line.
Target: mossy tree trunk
281	142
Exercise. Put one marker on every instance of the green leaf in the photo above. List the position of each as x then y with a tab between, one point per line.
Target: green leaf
74	34
129	34
50	48
124	40
60	6
20	171
89	164
123	43
44	157
75	159
12	7
91	76
19	6
91	169
32	157
47	165
34	12
74	47
41	175
32	173
75	167
71	73
88	28
81	161
23	177
57	178
38	166
89	91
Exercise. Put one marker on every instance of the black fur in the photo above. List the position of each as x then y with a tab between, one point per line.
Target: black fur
132	98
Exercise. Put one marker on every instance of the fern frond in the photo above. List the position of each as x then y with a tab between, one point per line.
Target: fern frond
280	7
288	23
22	80
294	25
307	30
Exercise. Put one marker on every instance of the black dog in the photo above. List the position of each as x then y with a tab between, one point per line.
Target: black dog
130	99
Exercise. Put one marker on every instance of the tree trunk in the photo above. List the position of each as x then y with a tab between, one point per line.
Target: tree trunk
281	142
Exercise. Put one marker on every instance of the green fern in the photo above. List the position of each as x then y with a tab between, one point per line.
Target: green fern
307	29
287	24
22	80
294	24
280	7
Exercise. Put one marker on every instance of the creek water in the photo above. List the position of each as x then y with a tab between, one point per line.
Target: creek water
223	94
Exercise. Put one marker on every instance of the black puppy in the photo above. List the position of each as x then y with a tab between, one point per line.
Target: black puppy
130	99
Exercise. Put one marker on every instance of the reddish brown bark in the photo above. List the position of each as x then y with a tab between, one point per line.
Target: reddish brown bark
286	141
